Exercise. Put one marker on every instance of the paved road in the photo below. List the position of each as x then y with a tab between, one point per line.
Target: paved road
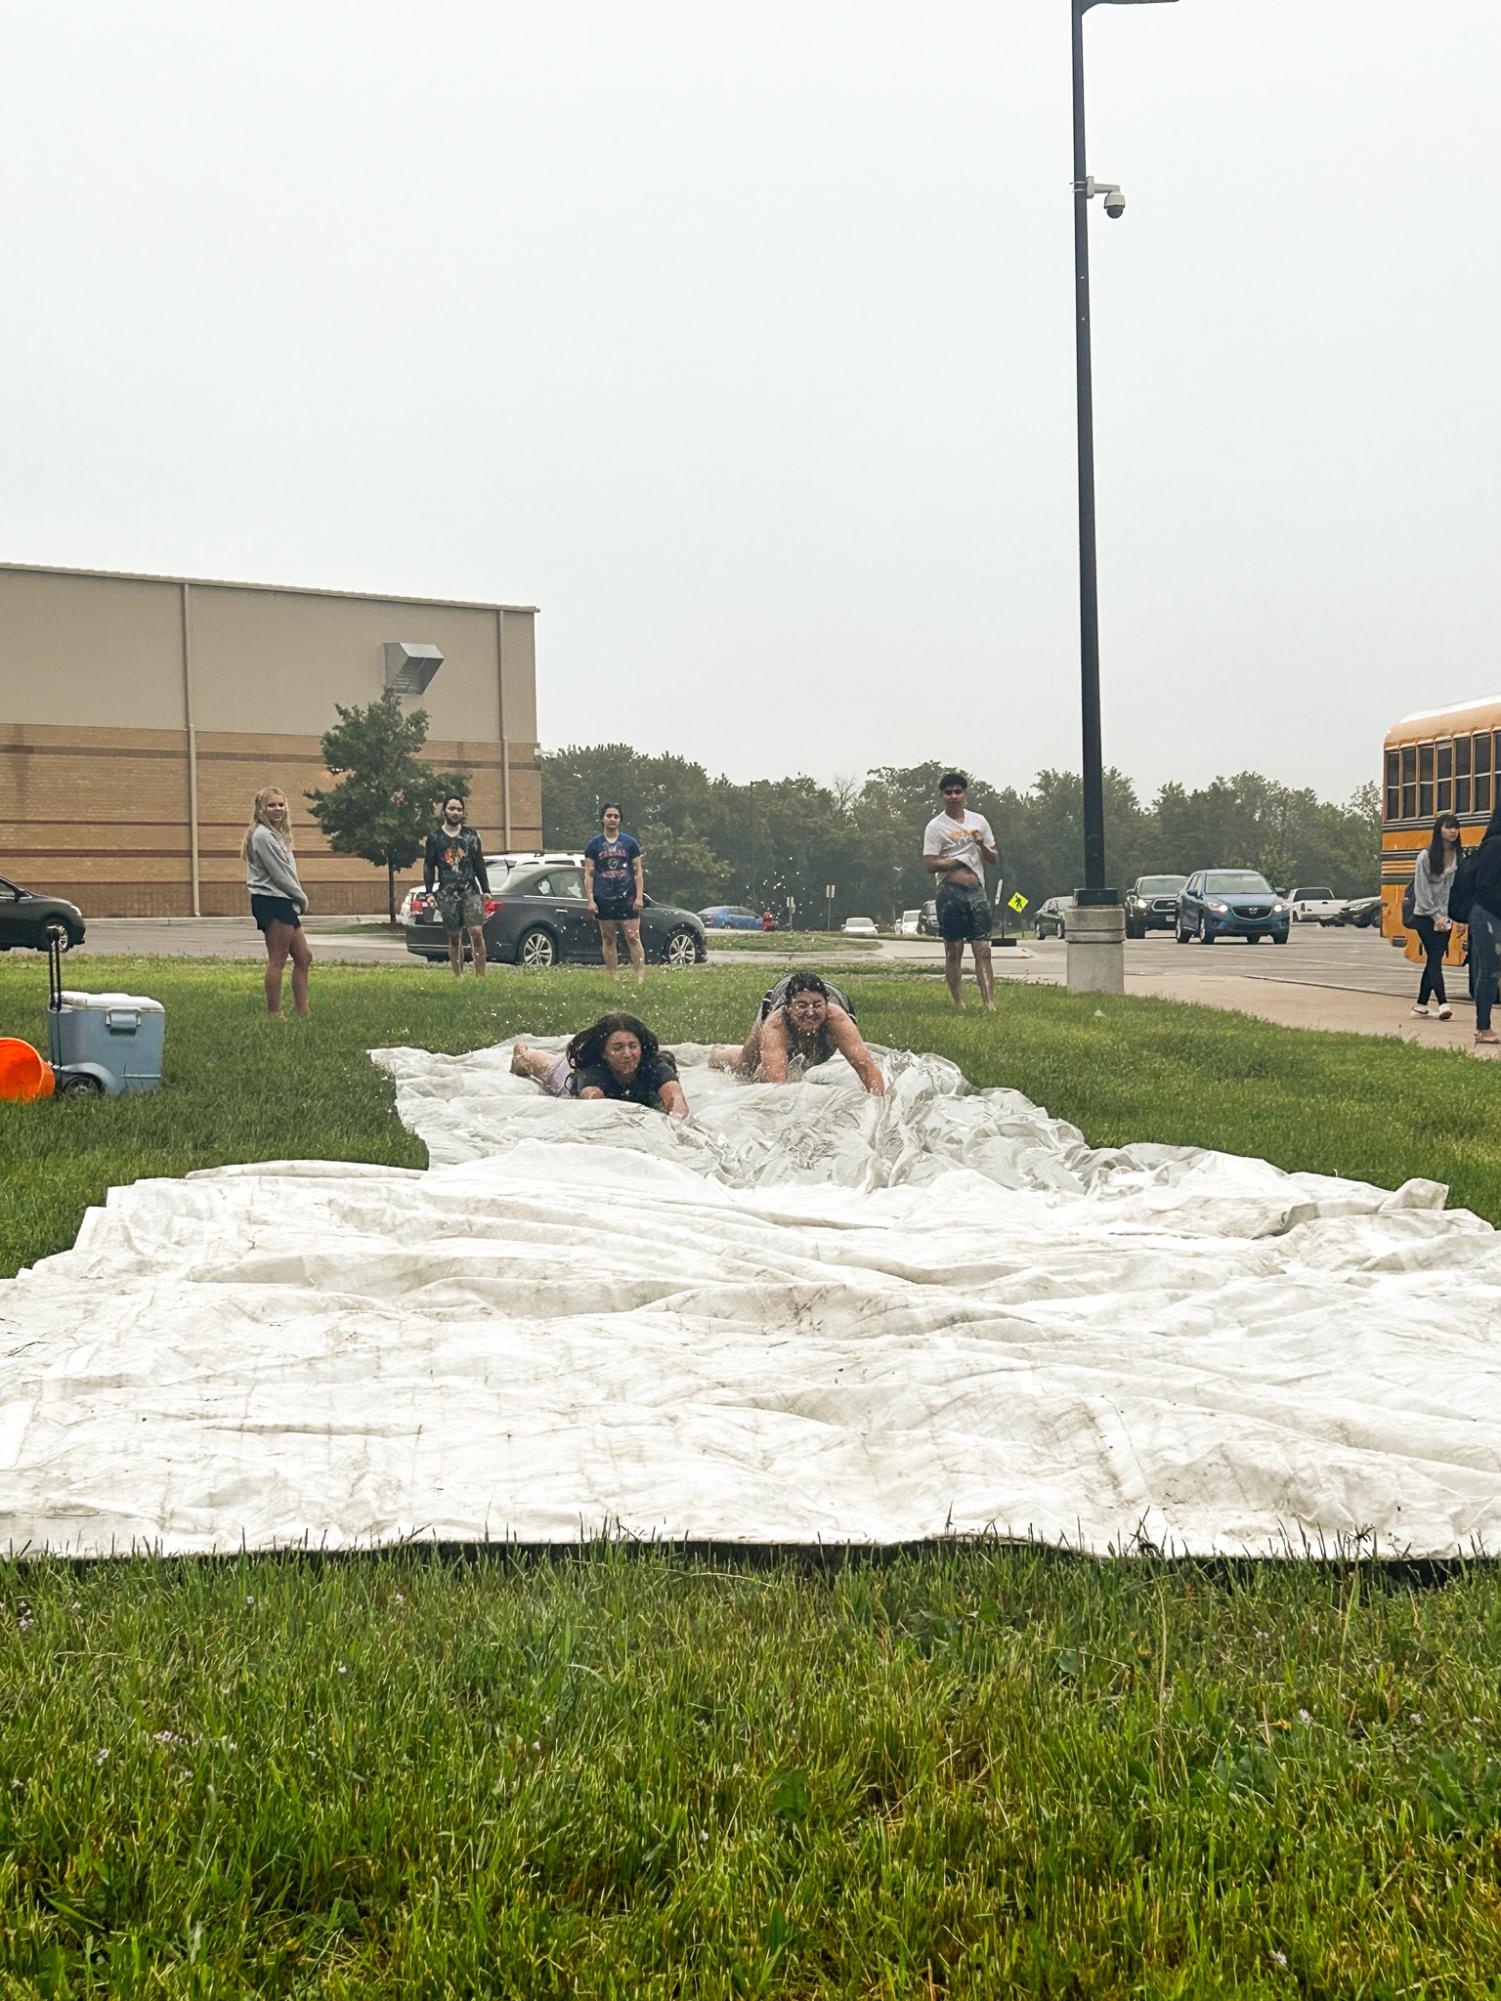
1341	959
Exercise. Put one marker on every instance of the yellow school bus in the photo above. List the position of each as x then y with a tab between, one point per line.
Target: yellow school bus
1438	761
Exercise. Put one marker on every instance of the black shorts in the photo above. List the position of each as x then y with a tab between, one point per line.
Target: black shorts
963	912
616	909
274	910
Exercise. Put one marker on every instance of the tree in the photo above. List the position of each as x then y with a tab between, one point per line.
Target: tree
387	797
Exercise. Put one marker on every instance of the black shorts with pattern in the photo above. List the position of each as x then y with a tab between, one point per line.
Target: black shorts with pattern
963	912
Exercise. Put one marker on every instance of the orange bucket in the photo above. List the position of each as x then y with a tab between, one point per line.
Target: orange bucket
23	1074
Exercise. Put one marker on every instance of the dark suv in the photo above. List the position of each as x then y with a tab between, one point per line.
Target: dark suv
536	916
1152	904
27	919
1231	903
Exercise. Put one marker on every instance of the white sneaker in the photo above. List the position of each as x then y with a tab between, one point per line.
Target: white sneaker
1445	1013
1421	1011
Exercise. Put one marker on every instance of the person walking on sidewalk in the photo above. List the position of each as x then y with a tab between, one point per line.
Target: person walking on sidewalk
454	861
277	897
1432	878
1484	920
956	845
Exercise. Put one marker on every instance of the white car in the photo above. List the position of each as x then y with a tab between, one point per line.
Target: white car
1316	906
498	867
859	927
909	924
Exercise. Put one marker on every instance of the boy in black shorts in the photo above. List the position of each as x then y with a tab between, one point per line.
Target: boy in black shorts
613	890
956	845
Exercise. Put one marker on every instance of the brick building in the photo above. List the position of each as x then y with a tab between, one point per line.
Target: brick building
140	715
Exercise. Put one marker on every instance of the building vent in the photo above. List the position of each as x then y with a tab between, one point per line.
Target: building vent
410	667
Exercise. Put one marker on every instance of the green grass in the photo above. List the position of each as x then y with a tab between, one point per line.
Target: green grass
640	1774
788	944
653	1773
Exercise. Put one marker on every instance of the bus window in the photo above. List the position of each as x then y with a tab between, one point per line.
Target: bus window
1482	762
1410	781
1393	787
1461	774
1443	790
1425	781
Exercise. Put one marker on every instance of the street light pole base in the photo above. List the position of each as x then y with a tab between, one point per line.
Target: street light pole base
1097	948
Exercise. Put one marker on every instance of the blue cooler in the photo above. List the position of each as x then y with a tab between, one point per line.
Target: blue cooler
107	1043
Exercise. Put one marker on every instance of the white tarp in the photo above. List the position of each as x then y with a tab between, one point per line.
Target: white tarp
806	1316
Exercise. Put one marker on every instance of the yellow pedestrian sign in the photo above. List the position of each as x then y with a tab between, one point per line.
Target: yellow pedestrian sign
1018	903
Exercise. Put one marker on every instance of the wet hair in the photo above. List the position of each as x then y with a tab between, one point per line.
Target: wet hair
804	983
609	805
258	818
1438	861
443	803
953	778
588	1046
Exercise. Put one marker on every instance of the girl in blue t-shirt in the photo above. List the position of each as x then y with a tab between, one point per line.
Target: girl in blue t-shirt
613	890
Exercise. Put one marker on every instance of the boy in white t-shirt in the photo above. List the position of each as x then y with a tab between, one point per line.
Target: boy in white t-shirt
956	845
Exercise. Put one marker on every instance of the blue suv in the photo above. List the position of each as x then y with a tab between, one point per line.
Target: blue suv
1231	903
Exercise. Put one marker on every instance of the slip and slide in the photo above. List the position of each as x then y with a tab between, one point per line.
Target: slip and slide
806	1315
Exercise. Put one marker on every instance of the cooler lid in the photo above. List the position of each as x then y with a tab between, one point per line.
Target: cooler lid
99	1002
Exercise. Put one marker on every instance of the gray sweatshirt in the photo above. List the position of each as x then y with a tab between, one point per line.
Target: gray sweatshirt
270	869
1430	892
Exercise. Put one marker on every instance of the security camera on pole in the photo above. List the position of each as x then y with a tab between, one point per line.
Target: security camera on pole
1096	925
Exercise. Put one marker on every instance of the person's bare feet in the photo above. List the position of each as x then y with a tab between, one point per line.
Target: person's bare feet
519	1065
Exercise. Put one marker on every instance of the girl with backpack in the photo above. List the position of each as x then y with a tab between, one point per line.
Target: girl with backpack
1432	879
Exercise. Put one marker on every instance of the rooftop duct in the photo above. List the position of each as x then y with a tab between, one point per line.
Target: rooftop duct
410	667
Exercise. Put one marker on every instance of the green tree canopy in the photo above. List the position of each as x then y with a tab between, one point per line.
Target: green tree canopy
386	797
778	839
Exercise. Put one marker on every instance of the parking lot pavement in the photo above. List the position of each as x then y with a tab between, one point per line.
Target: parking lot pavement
237	938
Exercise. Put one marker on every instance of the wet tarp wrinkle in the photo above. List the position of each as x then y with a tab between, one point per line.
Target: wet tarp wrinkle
806	1316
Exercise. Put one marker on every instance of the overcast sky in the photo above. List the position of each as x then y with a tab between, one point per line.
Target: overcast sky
738	337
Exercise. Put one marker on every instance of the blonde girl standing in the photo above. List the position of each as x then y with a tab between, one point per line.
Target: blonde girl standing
277	897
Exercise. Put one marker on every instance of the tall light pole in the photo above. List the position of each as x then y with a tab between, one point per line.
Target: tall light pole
1096	929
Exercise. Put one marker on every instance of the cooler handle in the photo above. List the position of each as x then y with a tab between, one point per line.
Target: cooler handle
122	1020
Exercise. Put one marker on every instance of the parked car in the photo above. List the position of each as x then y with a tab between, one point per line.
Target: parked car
1152	904
28	919
1363	911
927	919
1230	903
536	916
859	927
731	917
1051	920
1315	906
909	924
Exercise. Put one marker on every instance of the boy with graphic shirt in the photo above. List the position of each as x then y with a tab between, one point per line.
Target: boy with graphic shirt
454	862
956	846
613	890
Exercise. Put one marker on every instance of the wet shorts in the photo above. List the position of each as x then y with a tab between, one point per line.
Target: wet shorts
275	910
616	909
556	1085
963	912
461	909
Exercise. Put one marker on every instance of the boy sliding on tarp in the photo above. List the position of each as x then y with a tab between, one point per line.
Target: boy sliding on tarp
802	1023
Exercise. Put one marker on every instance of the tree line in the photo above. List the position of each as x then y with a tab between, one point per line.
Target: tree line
779	840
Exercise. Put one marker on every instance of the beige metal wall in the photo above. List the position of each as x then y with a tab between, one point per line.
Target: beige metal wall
136	712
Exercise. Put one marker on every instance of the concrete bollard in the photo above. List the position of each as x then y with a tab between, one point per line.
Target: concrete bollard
1097	949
